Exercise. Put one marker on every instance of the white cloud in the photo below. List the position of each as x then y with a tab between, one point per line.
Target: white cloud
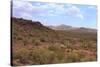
55	5
47	9
52	8
25	6
26	16
92	7
74	11
25	9
80	16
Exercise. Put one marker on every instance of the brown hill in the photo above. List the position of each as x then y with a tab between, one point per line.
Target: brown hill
34	43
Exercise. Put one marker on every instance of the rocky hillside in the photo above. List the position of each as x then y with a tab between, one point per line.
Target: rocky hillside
34	43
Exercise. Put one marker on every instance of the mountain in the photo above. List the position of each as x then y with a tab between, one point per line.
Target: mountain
61	27
83	29
33	44
77	29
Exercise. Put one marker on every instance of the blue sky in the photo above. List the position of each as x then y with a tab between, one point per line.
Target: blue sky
57	13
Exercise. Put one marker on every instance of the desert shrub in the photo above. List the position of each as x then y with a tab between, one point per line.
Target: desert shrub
25	42
20	30
59	52
36	42
88	59
35	56
81	40
22	55
19	38
54	48
31	35
74	57
42	56
46	56
88	45
67	43
43	39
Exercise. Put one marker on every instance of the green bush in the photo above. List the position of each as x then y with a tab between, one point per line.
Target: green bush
54	48
74	56
42	56
36	42
22	55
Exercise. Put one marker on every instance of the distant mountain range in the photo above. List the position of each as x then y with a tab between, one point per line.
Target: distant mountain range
61	27
67	27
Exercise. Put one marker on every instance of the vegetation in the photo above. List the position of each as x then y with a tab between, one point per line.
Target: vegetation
33	43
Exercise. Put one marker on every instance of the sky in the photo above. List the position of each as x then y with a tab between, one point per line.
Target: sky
75	15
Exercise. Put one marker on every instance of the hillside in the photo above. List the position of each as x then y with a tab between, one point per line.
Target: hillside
34	43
